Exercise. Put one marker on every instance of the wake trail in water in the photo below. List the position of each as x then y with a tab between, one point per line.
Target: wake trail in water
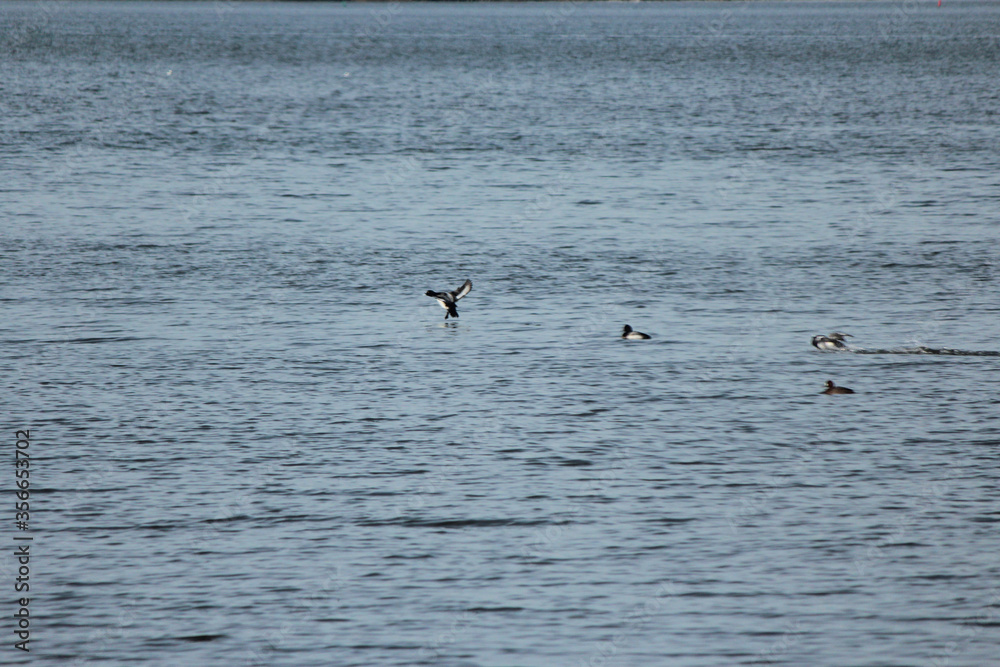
921	349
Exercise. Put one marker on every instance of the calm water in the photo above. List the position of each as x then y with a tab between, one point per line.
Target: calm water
256	442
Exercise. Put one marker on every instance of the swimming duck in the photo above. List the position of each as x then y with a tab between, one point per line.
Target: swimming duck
834	341
831	388
628	334
448	299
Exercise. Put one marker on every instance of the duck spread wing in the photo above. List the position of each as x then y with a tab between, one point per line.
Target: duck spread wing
463	290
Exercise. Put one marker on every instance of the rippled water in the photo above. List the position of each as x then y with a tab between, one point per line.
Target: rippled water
256	441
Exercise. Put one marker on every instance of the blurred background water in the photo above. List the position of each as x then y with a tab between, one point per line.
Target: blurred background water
256	442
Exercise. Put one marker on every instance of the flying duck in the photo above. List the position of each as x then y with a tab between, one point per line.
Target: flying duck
834	341
448	299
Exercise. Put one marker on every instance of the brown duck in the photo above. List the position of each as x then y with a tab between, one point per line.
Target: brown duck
831	388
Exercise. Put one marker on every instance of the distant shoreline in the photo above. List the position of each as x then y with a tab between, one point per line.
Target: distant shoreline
519	2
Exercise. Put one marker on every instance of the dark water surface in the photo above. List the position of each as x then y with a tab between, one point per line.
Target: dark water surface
255	440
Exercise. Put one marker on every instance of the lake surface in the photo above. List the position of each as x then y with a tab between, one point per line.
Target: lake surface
254	441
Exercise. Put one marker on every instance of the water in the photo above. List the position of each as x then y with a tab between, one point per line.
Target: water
255	440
